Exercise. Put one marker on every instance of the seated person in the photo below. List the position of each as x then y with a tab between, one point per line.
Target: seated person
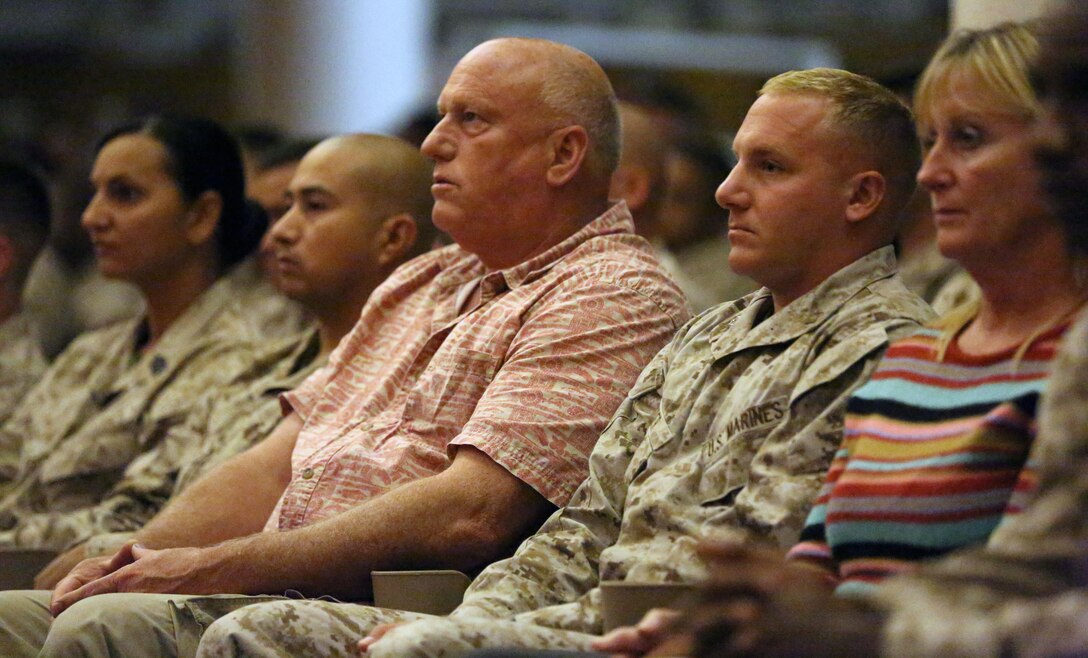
936	443
167	215
374	215
730	429
24	228
454	416
1024	594
975	603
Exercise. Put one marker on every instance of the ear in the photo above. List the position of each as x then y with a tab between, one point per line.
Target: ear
396	239
866	192
203	217
632	184
567	148
9	257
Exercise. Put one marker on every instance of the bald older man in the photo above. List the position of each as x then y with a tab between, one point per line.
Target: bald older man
456	414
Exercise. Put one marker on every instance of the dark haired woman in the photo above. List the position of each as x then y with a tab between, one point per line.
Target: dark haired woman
167	215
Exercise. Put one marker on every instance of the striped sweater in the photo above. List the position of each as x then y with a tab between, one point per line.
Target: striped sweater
934	454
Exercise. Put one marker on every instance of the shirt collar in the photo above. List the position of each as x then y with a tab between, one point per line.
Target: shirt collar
803	313
616	220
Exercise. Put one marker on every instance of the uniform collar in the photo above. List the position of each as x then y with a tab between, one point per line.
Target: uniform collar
799	317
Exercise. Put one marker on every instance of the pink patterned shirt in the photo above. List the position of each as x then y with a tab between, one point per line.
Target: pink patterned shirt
528	370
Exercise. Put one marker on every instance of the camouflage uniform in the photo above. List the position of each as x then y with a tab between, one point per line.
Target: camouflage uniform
21	362
274	314
958	290
225	423
927	273
101	404
1026	593
728	432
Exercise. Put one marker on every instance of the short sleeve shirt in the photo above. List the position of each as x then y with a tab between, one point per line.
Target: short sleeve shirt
525	364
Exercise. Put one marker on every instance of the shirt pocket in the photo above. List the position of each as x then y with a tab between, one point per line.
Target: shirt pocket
452	386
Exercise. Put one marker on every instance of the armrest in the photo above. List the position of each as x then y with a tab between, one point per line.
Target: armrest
430	592
18	566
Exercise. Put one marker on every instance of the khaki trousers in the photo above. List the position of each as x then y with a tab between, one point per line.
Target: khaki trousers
112	624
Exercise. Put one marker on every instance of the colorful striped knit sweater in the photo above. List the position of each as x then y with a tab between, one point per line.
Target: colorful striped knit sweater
933	456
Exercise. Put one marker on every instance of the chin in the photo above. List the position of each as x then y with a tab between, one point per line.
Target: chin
743	266
111	271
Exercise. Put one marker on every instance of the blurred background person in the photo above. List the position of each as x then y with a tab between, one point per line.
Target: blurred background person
640	177
693	226
24	228
254	278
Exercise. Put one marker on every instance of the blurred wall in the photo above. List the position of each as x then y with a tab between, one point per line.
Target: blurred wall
328	66
984	13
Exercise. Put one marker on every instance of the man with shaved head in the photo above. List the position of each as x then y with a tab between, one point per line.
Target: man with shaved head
453	417
377	216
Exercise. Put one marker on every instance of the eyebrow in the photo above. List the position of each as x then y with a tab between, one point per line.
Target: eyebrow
760	152
309	190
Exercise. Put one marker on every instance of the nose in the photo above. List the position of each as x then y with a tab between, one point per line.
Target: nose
94	217
935	173
438	145
731	194
285	231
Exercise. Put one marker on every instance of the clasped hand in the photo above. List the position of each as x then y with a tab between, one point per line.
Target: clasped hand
135	568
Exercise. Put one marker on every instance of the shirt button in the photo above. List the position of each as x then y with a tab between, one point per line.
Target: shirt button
307	473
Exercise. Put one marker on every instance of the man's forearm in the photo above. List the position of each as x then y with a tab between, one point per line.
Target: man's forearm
459	519
233	500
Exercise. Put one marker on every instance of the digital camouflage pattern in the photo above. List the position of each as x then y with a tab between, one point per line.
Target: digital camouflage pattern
1026	592
728	432
273	313
101	404
21	362
224	423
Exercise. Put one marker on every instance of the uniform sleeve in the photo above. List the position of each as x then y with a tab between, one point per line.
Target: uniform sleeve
145	483
56	382
573	360
1026	592
560	562
812	547
21	366
143	489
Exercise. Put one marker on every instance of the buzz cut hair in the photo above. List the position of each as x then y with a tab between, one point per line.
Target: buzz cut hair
871	116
